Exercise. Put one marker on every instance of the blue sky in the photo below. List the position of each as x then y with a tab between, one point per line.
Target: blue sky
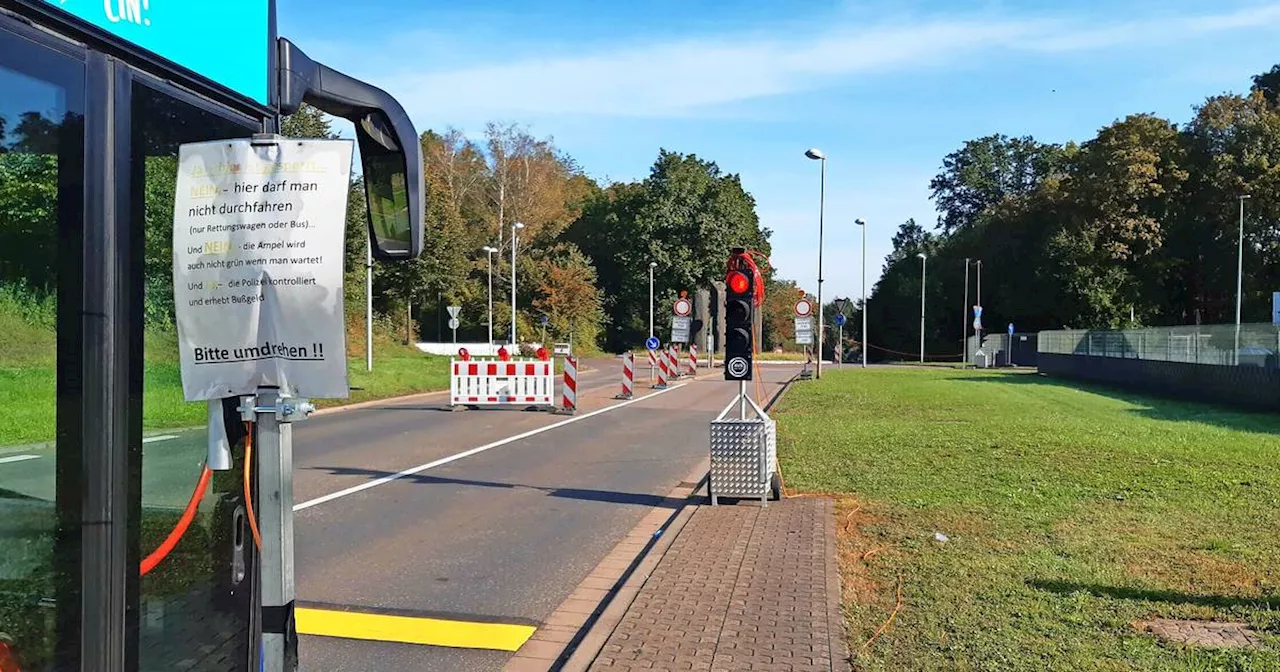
886	88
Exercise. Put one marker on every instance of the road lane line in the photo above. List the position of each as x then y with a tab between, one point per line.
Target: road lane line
18	458
162	437
468	453
412	629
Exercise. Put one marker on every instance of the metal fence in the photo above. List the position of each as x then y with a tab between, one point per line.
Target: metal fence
1256	345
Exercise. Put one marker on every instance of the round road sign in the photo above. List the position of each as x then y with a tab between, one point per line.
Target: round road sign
652	343
840	318
683	307
803	308
738	367
453	323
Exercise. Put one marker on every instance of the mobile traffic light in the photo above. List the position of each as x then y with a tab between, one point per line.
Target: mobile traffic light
739	316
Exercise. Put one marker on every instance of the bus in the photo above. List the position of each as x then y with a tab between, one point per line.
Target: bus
99	453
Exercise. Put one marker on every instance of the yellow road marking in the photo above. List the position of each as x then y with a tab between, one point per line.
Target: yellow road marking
412	629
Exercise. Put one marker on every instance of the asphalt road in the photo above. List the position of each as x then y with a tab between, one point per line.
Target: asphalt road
505	534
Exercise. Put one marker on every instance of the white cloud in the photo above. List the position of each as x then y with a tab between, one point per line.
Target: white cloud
693	77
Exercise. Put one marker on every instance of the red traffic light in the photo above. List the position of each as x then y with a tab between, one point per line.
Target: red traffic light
464	354
542	354
738	282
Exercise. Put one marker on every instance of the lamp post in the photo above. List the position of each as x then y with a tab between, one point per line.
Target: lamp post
977	330
863	224
924	263
1239	274
368	305
489	250
964	319
817	155
652	265
514	243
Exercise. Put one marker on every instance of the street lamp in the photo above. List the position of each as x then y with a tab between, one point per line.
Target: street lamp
652	265
514	243
964	319
489	250
1240	274
863	224
817	155
924	263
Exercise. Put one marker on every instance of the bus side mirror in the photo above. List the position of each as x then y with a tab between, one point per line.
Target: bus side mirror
390	154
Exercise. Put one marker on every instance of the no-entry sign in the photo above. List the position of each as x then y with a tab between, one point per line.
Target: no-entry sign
804	308
682	307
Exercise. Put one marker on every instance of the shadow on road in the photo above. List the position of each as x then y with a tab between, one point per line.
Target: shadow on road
604	496
1150	595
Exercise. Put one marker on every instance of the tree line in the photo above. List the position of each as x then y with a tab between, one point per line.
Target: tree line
583	252
1136	226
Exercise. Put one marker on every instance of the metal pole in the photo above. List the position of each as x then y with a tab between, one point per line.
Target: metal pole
924	263
514	239
275	512
490	252
839	346
368	306
650	301
865	344
978	330
742	400
1239	276
964	319
822	206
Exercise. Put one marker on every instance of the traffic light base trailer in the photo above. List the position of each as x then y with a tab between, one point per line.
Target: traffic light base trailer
744	453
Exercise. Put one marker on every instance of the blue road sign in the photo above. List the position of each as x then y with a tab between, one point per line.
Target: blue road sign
1010	328
840	318
544	320
652	343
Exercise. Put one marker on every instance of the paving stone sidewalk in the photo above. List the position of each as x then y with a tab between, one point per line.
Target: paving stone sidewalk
741	588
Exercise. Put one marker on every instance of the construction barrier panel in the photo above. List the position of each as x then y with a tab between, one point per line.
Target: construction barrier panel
662	371
569	391
693	359
628	376
493	383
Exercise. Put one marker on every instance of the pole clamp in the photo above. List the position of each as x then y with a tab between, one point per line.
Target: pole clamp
287	409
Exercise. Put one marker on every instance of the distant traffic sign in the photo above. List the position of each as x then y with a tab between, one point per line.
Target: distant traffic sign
543	320
840	319
804	308
453	311
680	329
683	307
453	323
652	343
840	304
1010	328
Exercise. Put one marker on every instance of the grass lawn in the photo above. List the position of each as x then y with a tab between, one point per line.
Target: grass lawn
1072	513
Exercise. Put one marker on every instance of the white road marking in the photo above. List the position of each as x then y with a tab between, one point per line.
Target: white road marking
18	458
468	453
162	437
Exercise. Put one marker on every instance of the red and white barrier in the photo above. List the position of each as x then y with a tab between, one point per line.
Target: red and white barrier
662	370
495	383
673	362
569	390
628	376
693	359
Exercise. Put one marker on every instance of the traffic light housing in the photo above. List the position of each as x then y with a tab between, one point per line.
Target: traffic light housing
739	318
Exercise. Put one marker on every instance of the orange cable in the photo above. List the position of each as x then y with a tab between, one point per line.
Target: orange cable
175	535
248	491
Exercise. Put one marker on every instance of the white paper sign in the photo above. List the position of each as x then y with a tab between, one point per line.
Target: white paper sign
257	267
